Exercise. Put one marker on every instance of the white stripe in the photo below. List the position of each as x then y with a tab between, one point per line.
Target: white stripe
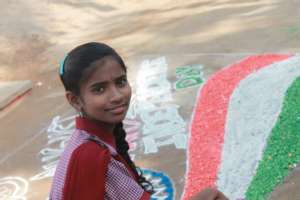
253	110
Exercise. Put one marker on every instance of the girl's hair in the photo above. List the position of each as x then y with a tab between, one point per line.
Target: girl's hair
122	149
73	71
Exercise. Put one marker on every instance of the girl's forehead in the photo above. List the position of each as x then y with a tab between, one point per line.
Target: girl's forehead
105	70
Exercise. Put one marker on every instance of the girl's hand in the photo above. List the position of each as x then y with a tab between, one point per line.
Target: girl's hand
209	194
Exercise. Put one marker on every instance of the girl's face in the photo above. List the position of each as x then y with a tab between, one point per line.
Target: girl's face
105	94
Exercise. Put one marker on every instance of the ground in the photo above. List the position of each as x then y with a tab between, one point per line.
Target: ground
154	38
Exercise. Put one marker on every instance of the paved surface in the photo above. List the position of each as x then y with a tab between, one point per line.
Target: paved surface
203	36
10	91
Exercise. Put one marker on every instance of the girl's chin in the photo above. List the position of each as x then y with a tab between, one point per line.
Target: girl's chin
116	119
111	120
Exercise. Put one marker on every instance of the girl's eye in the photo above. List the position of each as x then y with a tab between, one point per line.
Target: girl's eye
122	82
98	89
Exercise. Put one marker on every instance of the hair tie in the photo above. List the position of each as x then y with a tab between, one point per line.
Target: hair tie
62	65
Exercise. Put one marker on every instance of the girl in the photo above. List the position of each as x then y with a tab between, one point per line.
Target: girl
95	164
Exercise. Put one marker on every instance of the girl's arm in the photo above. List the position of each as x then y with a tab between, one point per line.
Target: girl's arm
87	173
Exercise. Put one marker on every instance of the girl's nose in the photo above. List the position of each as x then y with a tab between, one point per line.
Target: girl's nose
116	95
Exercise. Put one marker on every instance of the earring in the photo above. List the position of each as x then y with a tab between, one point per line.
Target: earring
81	113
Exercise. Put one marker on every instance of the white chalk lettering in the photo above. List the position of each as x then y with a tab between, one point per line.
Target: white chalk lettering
13	188
162	123
59	132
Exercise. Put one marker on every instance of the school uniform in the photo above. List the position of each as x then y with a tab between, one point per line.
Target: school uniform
91	169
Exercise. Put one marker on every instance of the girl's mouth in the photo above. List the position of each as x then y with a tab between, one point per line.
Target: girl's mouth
117	110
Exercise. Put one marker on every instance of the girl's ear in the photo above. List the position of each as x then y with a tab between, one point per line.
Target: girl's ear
74	100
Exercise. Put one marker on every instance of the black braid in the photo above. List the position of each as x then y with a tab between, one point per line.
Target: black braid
122	149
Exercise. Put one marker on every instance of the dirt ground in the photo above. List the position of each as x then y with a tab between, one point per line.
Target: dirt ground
35	36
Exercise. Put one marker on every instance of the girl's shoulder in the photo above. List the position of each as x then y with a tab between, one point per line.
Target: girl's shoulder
90	159
90	151
82	144
84	151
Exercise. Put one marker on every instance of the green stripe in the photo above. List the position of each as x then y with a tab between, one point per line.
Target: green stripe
282	152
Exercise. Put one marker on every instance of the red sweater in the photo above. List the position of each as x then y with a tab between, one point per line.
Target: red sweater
90	170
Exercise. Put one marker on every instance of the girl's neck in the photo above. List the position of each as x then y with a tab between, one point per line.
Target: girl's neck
107	126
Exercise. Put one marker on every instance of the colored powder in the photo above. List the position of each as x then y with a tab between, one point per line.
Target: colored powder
282	152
